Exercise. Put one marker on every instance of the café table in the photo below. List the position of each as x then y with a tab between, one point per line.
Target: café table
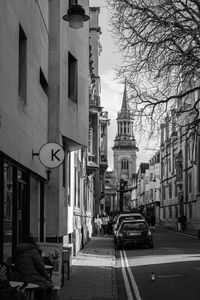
29	288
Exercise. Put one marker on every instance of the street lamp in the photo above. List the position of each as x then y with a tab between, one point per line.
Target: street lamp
76	16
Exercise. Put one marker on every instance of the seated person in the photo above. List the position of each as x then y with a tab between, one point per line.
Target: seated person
29	263
7	292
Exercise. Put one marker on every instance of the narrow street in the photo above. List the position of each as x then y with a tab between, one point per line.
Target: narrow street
175	261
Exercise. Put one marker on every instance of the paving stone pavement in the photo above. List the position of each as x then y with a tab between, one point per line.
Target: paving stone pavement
93	274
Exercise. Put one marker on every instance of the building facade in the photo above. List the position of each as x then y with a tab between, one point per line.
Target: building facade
98	119
180	164
45	94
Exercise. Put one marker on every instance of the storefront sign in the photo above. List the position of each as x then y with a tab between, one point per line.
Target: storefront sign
51	155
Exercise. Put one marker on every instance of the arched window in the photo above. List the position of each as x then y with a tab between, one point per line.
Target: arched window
124	164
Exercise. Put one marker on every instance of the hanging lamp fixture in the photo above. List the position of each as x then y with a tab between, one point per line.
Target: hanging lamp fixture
76	16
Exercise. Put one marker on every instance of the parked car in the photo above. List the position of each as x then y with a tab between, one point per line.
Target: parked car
125	217
134	232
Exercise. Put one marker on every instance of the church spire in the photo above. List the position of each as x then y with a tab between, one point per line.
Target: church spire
125	106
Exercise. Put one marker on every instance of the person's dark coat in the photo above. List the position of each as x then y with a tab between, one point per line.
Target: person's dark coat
7	292
29	263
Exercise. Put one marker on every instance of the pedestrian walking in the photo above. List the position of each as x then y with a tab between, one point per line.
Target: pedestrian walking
182	220
152	222
98	224
105	223
110	222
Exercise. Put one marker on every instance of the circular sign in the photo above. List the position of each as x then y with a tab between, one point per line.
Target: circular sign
51	155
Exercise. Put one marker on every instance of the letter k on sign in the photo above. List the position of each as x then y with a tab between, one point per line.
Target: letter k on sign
51	155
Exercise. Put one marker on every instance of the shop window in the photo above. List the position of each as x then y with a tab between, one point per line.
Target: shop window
72	77
7	211
23	209
22	71
34	207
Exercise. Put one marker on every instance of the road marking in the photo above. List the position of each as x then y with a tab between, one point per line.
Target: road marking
169	276
127	286
133	282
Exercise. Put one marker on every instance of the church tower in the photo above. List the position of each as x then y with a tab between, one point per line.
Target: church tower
124	149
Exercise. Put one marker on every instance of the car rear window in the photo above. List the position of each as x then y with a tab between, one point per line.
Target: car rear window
129	218
133	226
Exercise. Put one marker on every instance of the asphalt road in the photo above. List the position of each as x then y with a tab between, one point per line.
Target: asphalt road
175	261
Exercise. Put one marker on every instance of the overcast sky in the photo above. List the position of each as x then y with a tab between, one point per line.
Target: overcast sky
111	89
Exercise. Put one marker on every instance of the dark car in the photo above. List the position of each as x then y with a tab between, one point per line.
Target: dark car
133	233
125	217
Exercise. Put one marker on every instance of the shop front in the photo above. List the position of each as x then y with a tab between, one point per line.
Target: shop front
21	206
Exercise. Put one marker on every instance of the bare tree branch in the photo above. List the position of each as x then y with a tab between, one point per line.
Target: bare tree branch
160	44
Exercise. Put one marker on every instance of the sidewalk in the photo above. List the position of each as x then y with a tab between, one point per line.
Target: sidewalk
93	274
193	232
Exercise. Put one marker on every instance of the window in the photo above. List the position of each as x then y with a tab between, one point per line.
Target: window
79	189
170	190
7	210
170	212
90	141
125	164
72	77
198	165
43	82
175	187
169	161
176	212
190	210
72	2
190	182
75	187
163	192
64	168
22	71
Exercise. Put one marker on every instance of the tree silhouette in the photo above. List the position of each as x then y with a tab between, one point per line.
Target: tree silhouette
160	44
